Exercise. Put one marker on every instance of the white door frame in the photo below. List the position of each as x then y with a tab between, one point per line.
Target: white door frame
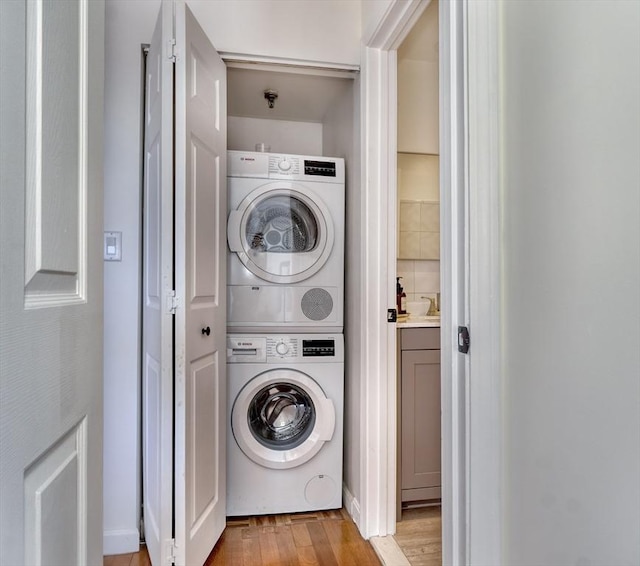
470	275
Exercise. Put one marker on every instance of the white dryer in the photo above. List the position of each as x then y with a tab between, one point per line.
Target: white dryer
284	442
285	234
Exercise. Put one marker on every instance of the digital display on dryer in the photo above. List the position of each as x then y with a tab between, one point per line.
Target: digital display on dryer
320	168
318	348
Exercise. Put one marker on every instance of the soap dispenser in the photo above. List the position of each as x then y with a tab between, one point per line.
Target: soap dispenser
401	297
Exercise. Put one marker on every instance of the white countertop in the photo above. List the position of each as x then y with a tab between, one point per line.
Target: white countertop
419	322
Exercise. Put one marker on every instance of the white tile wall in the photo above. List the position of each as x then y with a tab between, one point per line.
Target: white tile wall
420	278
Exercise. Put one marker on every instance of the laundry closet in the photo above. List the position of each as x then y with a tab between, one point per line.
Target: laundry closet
285	288
288	135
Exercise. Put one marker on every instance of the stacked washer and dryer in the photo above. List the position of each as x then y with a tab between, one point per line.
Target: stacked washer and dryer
285	347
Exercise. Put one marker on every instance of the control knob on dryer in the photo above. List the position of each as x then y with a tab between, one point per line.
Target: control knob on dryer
282	348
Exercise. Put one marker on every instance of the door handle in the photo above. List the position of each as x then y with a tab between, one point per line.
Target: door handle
206	331
233	231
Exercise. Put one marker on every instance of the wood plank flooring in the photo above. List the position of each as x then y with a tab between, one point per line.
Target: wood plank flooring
419	535
325	538
134	559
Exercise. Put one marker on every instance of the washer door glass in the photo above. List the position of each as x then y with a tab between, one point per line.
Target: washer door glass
281	418
280	233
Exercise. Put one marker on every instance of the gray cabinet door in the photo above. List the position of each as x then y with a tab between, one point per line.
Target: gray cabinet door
420	410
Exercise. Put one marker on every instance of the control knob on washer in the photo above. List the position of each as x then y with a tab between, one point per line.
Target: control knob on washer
284	165
282	348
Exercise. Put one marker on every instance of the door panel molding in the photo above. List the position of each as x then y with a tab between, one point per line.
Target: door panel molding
205	167
205	393
56	154
57	483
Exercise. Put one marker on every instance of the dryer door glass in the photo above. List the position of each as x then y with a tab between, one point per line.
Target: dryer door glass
281	416
281	234
281	224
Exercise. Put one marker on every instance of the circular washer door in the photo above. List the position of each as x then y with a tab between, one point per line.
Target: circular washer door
280	233
282	418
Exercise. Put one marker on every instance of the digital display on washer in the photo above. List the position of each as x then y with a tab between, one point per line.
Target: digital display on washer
318	348
321	168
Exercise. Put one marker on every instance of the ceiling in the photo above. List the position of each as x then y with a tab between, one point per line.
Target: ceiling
306	95
301	97
422	42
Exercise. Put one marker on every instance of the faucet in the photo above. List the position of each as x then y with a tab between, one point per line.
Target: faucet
434	305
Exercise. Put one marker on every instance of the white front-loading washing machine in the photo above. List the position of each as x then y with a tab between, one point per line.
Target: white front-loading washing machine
284	440
285	234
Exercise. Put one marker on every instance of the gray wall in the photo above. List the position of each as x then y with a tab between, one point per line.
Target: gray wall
571	273
128	26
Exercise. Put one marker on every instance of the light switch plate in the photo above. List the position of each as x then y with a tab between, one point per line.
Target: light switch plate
113	246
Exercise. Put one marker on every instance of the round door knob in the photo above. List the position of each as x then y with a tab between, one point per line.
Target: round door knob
206	331
282	348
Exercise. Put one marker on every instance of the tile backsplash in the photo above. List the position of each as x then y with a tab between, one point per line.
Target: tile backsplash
419	235
420	278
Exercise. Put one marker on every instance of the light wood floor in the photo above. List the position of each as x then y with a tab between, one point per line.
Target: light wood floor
419	535
134	559
326	538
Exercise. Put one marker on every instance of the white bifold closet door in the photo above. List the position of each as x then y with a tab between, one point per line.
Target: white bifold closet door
184	292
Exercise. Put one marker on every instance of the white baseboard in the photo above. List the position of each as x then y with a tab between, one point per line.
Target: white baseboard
350	503
386	548
120	542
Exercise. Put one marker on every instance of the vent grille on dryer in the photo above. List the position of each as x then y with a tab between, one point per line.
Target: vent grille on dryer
316	304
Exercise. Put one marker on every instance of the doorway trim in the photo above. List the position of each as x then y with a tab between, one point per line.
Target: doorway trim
470	213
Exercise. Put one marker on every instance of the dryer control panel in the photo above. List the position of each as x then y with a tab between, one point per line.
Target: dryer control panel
285	166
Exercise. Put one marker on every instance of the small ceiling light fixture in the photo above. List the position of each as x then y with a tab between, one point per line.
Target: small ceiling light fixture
271	96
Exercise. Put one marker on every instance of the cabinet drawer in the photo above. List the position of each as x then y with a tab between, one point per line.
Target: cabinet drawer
420	339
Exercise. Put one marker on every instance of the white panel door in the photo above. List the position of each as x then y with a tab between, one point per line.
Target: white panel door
51	60
157	290
201	205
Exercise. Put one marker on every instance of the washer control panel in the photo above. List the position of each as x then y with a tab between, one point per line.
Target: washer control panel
318	348
287	348
246	349
282	347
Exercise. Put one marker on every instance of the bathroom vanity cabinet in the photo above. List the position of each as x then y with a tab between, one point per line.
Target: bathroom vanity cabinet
419	414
